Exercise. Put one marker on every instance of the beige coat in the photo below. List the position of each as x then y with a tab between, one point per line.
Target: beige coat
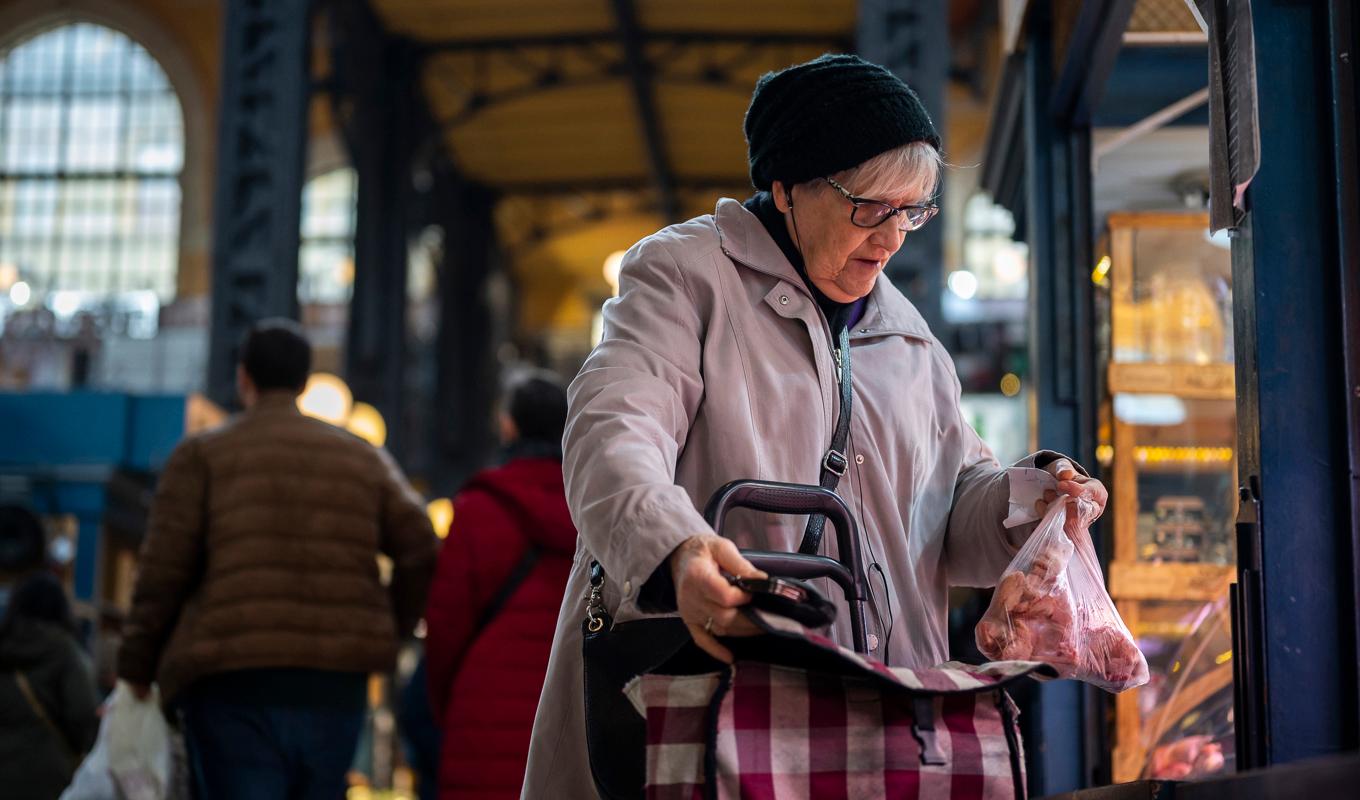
716	364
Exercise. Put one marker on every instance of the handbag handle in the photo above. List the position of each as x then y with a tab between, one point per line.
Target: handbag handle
795	498
778	498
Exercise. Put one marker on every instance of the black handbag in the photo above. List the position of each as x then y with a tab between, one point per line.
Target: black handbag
614	654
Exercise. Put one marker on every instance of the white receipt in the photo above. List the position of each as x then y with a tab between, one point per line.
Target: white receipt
1027	488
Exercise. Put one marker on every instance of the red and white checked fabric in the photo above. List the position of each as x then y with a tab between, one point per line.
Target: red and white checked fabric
761	731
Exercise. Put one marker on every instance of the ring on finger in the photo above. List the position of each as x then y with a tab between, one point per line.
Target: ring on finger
708	625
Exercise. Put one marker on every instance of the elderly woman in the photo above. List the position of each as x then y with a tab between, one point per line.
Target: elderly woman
720	360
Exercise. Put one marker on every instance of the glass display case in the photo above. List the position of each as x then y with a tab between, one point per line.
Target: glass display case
1188	723
1168	447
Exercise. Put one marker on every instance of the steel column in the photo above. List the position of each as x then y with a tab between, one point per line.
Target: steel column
644	99
1343	43
260	153
1054	197
1093	46
1293	394
466	369
385	119
911	38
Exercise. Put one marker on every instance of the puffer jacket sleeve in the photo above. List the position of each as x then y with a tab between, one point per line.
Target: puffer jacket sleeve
978	546
630	411
170	563
408	539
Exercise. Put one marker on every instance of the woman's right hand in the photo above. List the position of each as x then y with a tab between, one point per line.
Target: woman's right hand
707	602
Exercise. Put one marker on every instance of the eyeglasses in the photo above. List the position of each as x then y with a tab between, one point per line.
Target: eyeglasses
872	213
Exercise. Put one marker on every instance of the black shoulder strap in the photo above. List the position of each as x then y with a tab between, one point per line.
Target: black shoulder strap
512	583
522	568
40	711
835	462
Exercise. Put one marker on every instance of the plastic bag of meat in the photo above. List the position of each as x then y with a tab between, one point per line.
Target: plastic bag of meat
1051	605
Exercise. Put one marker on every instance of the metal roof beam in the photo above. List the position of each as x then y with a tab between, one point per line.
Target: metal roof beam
569	186
1097	37
672	37
1005	135
640	76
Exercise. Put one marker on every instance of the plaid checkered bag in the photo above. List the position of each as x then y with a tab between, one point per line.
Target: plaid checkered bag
841	726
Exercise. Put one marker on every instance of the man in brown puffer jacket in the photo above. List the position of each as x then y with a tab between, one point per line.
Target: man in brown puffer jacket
259	607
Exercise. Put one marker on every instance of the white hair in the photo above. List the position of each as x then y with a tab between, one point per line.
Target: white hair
912	171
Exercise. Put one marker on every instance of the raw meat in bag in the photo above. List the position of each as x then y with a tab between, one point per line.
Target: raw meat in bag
1051	605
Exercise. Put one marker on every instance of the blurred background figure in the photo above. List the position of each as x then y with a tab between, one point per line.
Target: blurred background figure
259	608
23	547
419	730
496	594
47	697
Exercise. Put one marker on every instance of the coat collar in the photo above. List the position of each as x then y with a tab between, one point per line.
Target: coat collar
745	241
276	401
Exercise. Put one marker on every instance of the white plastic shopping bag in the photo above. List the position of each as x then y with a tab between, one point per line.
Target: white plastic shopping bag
132	757
92	780
1051	605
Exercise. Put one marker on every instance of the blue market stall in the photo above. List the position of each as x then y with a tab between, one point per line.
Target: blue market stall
66	455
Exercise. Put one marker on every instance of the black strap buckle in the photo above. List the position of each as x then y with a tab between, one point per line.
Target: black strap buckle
835	462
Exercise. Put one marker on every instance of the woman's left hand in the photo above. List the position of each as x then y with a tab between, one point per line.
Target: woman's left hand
1073	486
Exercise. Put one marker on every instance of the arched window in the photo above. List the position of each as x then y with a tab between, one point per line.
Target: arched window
326	258
91	147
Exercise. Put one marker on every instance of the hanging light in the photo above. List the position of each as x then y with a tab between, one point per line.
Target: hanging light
1100	275
20	294
612	263
368	424
963	283
1008	264
441	516
327	398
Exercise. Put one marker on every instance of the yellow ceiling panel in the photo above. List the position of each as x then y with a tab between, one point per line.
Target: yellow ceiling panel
433	20
703	133
495	72
742	64
1162	16
831	17
438	20
581	252
573	133
562	282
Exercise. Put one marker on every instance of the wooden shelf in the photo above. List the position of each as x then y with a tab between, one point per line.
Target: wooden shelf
1119	221
1178	467
1188	381
1143	580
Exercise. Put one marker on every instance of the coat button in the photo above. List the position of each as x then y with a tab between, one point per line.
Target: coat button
872	641
783	299
627	587
859	459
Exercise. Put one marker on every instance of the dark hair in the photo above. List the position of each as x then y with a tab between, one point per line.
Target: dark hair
536	401
23	544
277	355
40	597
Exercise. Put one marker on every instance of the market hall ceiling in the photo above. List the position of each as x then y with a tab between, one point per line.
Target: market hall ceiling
550	97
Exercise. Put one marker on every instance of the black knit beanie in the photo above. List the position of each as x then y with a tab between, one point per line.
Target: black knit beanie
827	115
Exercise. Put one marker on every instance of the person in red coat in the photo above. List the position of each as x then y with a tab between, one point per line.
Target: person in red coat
497	590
